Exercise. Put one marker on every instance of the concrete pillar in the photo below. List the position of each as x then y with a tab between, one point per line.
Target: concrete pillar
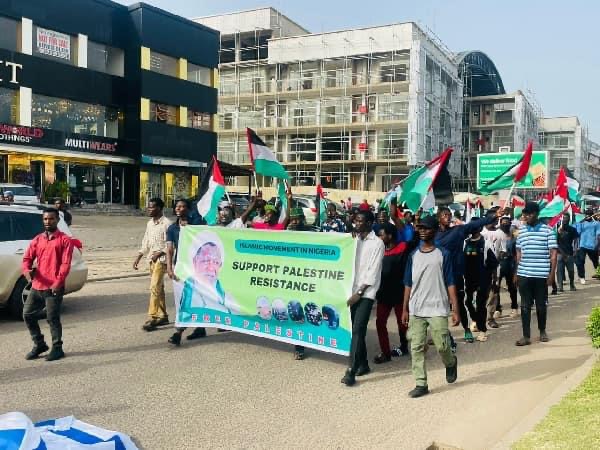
24	114
82	51
26	44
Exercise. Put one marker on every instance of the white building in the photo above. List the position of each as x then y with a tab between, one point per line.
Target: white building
351	109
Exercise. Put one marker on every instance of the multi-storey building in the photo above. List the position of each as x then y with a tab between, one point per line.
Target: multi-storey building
568	145
351	109
114	102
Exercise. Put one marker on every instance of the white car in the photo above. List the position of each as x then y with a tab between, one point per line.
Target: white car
22	193
18	225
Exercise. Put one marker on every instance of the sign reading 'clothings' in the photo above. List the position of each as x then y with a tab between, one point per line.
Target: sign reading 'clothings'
287	286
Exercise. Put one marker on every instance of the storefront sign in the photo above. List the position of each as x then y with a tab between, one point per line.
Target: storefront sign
53	43
10	72
96	146
43	137
19	134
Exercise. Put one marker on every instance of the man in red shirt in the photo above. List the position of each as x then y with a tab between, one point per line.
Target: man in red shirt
52	251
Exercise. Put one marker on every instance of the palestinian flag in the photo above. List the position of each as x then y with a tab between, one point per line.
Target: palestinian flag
263	159
469	211
418	187
392	194
212	190
518	204
559	203
512	175
572	186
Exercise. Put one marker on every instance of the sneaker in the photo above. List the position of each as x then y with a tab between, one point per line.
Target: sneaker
493	324
469	337
36	351
497	314
363	371
543	336
418	391
573	288
382	358
400	351
482	337
473	327
197	334
582	280
348	379
150	325
55	354
175	339
523	341
514	313
452	372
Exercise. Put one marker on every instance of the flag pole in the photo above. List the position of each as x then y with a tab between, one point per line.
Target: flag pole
255	181
509	196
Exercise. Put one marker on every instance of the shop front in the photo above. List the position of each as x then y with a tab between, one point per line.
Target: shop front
84	169
168	178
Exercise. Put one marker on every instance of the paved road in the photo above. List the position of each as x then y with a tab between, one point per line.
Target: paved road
235	391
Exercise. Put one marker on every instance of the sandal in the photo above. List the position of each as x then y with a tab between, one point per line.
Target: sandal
482	337
382	358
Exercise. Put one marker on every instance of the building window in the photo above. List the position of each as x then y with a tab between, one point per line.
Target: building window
198	74
53	45
159	112
105	58
8	106
9	35
503	138
76	117
504	117
166	65
392	143
199	120
393	107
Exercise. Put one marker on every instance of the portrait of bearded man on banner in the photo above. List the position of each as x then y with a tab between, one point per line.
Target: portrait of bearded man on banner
202	288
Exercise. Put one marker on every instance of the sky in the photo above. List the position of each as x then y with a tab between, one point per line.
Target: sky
549	48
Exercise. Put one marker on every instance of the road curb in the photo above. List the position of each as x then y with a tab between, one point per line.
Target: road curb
541	410
117	277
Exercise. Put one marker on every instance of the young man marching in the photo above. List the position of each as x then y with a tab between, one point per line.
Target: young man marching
52	250
536	266
428	291
367	278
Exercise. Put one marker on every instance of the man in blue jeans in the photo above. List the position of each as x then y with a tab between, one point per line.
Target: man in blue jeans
566	237
536	267
589	231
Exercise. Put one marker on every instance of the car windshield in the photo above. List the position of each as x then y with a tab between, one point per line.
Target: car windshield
20	190
18	226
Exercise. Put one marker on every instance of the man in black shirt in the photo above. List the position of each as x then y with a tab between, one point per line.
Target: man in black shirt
566	236
59	204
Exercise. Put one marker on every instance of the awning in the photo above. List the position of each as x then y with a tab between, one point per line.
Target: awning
64	153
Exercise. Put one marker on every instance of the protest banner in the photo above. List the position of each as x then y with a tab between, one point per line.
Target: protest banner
287	286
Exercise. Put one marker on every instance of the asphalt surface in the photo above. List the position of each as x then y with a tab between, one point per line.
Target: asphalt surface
236	391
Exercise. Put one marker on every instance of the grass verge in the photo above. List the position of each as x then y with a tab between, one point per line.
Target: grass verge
572	424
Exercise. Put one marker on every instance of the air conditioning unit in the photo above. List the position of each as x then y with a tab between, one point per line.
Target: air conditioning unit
504	149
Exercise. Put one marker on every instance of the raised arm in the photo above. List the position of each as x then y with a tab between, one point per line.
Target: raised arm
251	206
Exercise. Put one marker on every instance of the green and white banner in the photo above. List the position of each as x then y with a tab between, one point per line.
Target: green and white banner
287	286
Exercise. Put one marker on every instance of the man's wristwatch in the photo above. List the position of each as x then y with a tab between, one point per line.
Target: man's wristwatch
360	292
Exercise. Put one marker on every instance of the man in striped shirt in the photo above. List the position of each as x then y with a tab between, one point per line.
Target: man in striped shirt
536	262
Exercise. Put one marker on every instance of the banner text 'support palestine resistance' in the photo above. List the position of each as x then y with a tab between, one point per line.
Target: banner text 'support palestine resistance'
288	286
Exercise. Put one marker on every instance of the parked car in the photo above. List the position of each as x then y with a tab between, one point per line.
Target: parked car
306	202
22	192
18	226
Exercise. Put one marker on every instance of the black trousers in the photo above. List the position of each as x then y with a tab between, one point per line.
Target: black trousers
507	273
32	313
533	291
360	313
580	260
478	284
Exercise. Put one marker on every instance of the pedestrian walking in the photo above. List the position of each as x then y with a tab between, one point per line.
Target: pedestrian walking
51	251
184	218
493	239
429	289
154	247
60	204
566	237
367	278
536	266
391	293
507	267
589	232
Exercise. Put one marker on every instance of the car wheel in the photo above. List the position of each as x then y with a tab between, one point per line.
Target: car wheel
18	297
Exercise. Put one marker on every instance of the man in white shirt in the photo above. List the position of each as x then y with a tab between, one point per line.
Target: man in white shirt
494	239
154	246
367	278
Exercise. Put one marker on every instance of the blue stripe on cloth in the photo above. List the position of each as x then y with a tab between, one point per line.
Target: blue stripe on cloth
46	423
85	438
11	439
